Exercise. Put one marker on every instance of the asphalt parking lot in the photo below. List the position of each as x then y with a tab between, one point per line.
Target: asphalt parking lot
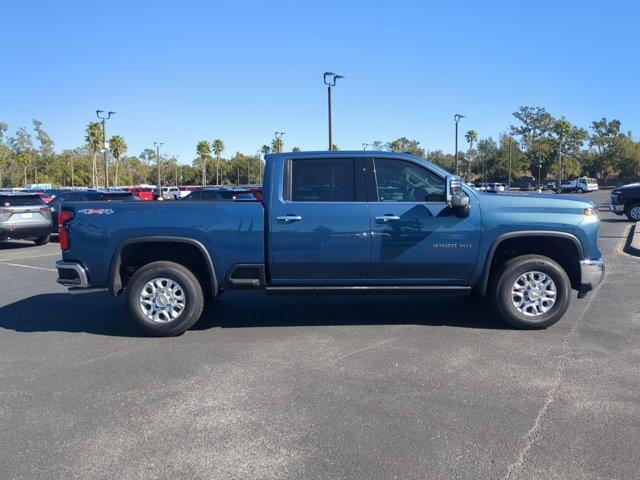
318	387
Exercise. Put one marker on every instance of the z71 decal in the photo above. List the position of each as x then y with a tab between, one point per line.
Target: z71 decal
95	211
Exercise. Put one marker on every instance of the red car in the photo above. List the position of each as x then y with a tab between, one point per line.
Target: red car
143	193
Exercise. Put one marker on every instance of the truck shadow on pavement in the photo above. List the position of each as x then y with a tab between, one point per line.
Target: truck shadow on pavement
100	314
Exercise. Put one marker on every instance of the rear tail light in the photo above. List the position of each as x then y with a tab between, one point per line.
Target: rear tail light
63	217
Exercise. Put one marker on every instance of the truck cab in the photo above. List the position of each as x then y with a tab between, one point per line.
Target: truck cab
338	222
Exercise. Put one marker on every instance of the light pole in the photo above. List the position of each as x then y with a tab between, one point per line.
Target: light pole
258	152
509	181
278	136
330	81
456	118
364	147
559	176
104	117
158	145
539	175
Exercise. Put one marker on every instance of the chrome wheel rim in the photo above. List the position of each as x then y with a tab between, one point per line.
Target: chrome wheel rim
534	293
635	213
162	300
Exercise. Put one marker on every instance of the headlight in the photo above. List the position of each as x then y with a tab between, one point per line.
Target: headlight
591	212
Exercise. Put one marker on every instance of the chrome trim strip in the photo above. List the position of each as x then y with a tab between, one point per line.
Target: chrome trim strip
83	279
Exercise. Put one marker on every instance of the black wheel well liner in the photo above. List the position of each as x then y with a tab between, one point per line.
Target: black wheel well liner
484	279
115	280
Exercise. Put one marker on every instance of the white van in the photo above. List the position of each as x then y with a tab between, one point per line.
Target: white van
581	185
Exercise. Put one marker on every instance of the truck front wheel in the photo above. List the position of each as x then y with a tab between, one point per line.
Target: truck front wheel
531	291
164	298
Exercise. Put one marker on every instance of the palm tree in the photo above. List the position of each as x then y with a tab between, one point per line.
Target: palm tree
118	146
218	148
94	140
471	136
203	150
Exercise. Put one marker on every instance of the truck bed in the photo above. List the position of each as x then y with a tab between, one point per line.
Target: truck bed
232	232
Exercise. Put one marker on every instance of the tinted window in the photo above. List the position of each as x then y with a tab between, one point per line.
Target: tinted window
20	200
400	181
327	180
115	197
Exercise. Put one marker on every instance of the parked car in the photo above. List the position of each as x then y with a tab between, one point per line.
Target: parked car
551	186
186	190
86	196
495	187
218	194
337	222
167	193
580	185
24	216
143	193
626	200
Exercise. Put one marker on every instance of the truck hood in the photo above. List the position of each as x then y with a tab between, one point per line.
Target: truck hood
536	199
629	186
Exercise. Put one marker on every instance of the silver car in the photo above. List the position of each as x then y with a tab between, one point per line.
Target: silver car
24	216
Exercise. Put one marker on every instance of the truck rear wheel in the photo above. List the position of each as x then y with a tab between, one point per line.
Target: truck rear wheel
531	291
164	298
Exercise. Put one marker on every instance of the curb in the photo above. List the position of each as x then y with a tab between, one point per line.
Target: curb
634	240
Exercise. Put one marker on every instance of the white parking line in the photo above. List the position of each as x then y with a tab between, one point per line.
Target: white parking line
33	256
28	266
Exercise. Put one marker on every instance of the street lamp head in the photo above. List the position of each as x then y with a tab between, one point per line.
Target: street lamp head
330	78
111	113
457	117
98	112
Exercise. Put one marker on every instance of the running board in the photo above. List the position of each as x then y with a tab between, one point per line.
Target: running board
366	289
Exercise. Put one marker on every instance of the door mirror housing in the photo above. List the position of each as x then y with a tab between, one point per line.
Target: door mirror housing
457	199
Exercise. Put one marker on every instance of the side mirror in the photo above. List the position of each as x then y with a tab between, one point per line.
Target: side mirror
457	199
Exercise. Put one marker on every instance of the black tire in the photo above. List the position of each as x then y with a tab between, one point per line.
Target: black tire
192	291
505	278
580	190
633	212
42	240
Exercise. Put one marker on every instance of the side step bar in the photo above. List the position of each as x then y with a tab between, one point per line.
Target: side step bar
367	289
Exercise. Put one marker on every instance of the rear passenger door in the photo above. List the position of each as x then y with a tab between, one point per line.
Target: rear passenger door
319	222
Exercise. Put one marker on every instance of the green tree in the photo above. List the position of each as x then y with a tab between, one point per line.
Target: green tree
297	149
471	136
46	150
24	153
95	141
403	144
277	145
265	149
203	149
118	147
218	148
4	153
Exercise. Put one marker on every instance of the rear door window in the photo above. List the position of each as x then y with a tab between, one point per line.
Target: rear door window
322	180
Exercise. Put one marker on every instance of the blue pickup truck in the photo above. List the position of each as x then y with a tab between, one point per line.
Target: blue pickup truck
337	222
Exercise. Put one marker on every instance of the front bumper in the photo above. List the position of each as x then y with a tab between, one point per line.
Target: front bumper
617	209
591	274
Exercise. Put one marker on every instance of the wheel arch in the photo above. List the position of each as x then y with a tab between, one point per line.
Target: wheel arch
115	280
528	234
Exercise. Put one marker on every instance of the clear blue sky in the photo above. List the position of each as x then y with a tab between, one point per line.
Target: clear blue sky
179	72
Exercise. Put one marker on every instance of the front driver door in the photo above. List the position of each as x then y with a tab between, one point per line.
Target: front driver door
417	238
319	223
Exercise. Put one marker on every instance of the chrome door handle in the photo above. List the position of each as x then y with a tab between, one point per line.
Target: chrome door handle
386	218
289	218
